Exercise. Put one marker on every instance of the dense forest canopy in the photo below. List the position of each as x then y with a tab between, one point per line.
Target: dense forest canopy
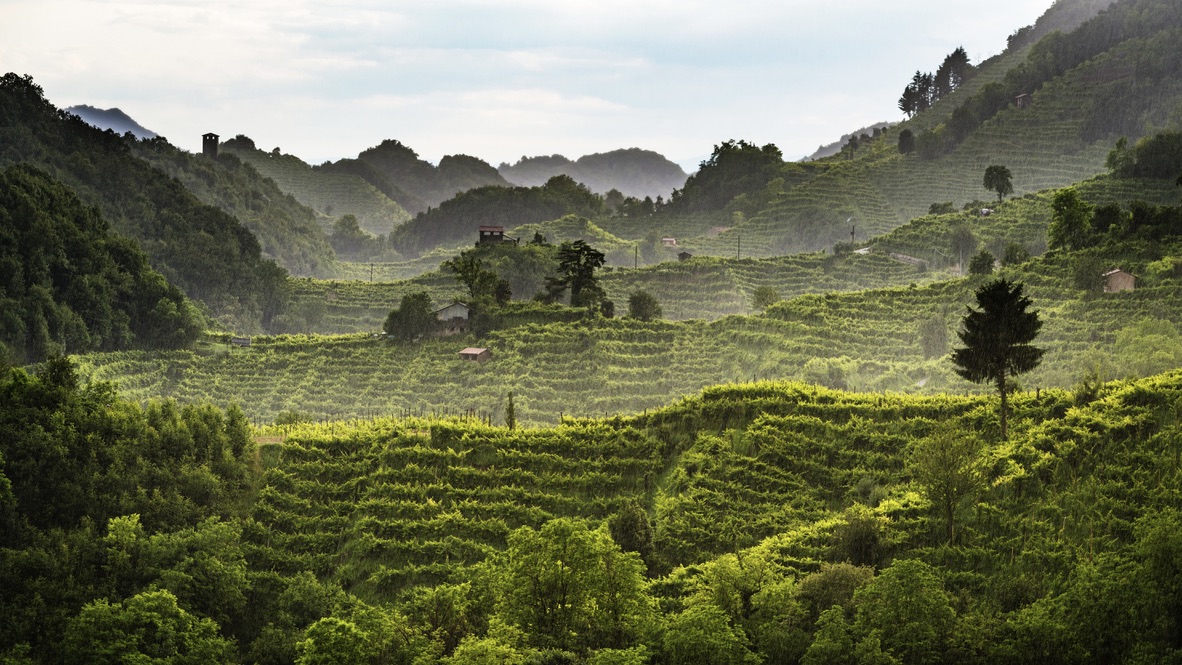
68	284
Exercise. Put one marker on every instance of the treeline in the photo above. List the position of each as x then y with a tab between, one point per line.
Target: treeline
457	219
415	184
926	89
70	285
204	251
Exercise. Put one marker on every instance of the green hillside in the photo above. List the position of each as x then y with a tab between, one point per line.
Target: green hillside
331	195
769	522
206	252
285	228
1104	78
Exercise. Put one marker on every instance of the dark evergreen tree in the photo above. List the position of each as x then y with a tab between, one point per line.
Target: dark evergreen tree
997	339
413	318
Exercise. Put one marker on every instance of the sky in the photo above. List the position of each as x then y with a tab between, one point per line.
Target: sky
497	79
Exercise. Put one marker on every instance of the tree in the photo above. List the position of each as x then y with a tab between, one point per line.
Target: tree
510	413
1071	217
948	466
962	243
906	142
997	339
908	609
764	297
146	628
643	306
481	283
414	317
933	336
999	179
1014	254
981	263
577	263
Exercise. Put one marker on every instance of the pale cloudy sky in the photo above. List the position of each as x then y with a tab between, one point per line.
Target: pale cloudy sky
497	79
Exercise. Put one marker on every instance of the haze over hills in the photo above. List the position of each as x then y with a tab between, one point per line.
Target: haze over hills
416	184
113	119
631	171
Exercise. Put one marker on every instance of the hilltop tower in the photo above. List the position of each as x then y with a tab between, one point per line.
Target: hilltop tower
209	145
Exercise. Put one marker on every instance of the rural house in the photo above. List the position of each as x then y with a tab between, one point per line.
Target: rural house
453	319
1118	280
476	355
494	234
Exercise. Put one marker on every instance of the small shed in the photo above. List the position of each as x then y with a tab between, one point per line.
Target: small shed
684	256
494	234
476	354
454	318
669	241
1119	280
240	341
1022	100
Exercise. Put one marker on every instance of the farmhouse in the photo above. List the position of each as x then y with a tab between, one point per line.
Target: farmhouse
1118	280
494	234
453	319
476	354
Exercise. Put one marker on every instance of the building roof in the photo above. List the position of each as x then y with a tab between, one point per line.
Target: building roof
493	228
472	351
1115	271
447	307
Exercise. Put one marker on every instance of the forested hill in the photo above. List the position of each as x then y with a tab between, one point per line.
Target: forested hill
70	285
416	184
331	195
1049	109
206	252
632	172
458	219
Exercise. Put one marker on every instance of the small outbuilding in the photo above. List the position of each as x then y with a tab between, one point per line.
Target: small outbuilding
1118	280
240	341
669	241
494	234
1022	101
476	354
684	256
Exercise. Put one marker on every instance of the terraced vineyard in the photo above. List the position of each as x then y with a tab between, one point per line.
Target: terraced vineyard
868	340
384	505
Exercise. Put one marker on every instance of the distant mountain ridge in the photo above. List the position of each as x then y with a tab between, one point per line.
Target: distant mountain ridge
631	171
416	184
113	119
